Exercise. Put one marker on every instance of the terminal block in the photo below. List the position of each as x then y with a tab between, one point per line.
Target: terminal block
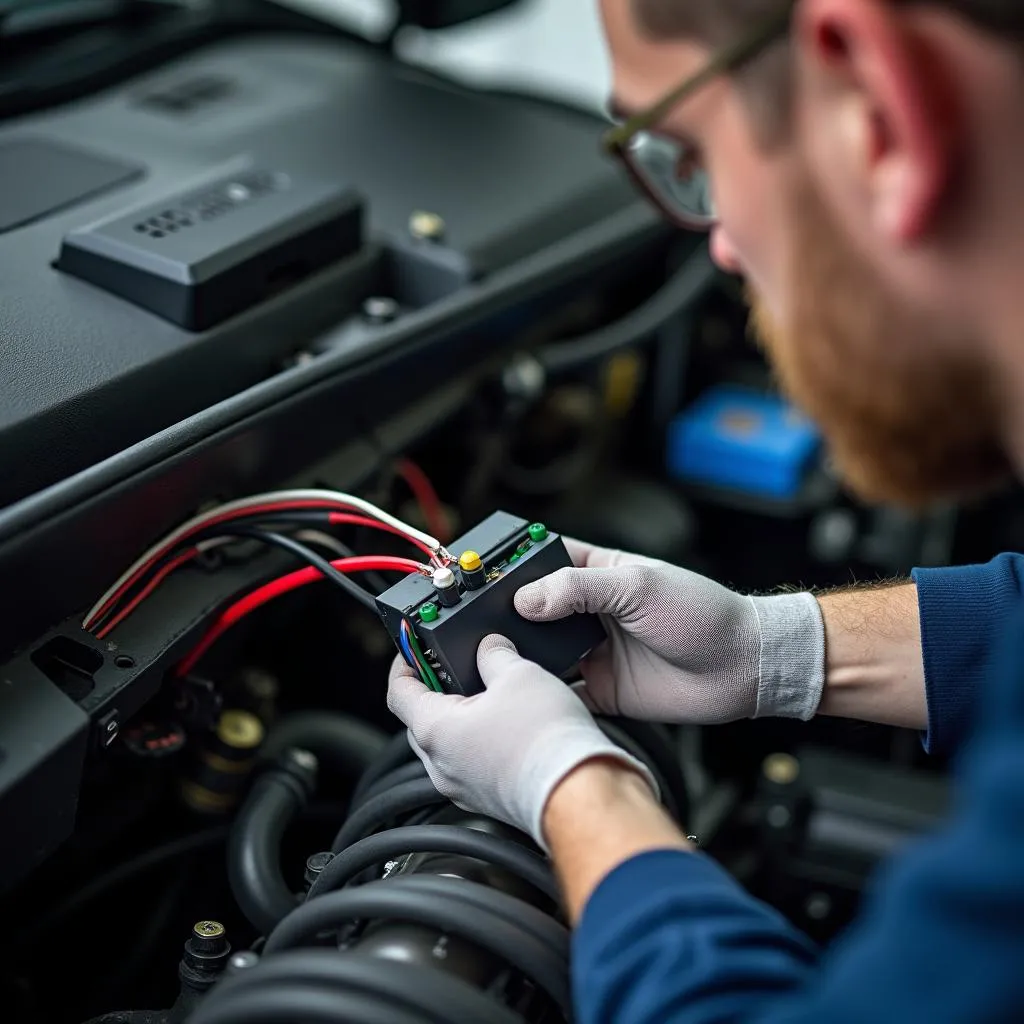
450	614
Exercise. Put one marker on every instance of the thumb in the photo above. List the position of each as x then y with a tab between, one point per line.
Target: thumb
570	591
495	656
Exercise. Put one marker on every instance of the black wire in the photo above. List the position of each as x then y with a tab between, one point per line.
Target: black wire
312	517
364	597
679	292
231	529
469	842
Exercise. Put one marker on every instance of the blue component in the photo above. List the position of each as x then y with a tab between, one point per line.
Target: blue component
737	438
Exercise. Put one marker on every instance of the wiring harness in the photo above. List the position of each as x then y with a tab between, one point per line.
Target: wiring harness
294	521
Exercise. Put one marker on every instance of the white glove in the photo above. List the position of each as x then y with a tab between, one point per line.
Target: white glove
503	751
683	648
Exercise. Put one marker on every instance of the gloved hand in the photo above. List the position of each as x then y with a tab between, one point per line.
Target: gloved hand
684	648
502	752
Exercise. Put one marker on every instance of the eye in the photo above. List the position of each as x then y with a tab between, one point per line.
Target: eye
688	163
673	173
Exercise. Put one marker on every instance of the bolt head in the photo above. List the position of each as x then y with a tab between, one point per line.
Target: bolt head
208	929
304	759
524	378
426	226
380	309
782	769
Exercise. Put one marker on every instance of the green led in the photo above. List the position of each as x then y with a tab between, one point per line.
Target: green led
537	532
428	612
514	557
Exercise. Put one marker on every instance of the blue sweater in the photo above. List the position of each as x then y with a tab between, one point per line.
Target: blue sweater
670	937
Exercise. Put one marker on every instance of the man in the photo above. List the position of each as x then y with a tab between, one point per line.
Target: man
865	159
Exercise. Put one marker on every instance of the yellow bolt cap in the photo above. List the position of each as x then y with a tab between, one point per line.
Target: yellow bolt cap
469	561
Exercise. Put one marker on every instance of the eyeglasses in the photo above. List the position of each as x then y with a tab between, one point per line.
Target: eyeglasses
664	169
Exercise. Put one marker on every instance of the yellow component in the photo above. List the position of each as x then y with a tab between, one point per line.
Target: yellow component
623	378
470	561
427	226
240	730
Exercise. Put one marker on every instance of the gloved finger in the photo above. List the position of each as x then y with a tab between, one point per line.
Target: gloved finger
601	686
400	667
573	591
495	656
412	703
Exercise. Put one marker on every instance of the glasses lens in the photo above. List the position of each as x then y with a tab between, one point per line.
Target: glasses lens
675	179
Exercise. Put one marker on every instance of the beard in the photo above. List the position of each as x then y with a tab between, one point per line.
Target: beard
905	403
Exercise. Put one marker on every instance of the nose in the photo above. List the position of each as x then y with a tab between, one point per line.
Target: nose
722	251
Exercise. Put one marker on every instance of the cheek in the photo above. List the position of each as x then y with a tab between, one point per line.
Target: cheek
748	241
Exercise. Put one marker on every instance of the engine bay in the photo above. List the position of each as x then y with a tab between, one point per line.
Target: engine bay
284	322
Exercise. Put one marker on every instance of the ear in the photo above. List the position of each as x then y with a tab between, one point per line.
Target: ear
876	106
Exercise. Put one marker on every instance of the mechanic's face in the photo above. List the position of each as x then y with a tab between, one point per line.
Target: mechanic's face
894	387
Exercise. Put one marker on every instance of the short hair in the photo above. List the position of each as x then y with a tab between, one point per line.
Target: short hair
766	82
719	20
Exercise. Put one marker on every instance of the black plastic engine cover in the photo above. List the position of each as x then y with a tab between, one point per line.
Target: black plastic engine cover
92	367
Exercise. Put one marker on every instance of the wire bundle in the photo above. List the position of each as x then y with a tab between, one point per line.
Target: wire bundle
414	655
262	518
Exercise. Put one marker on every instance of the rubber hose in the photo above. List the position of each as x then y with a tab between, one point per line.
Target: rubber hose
345	744
396	777
383	846
374	812
441	906
542	926
679	292
437	996
289	1004
396	752
254	846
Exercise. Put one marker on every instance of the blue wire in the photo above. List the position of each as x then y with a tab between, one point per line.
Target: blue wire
403	642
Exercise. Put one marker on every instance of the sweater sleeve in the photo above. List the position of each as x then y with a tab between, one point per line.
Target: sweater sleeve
963	611
669	937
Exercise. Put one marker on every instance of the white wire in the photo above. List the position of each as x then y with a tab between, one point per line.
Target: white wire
325	540
240	505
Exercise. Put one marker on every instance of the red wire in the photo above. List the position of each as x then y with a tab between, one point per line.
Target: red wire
342	518
283	585
158	578
255	509
426	497
224	517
